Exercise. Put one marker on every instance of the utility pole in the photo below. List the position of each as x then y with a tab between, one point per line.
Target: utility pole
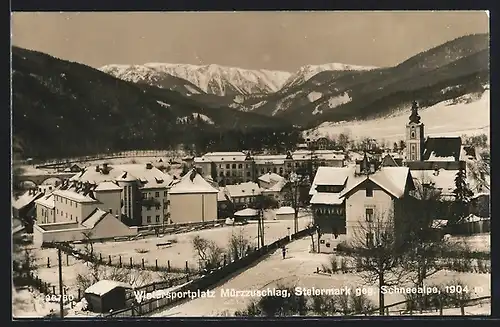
61	303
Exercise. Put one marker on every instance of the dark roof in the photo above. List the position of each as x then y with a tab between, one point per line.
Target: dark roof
443	147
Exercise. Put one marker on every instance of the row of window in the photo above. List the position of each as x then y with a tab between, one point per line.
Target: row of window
65	214
157	219
234	173
244	199
145	195
330	211
65	200
233	166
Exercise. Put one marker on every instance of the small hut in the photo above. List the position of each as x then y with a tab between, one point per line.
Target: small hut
106	295
285	213
246	214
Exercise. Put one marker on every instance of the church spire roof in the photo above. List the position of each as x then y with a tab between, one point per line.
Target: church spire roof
414	117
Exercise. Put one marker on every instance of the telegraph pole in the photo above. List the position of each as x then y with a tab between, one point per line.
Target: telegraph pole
61	304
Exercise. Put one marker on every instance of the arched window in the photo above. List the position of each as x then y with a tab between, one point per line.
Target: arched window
412	133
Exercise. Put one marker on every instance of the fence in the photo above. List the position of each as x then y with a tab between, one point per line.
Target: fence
207	281
462	304
98	259
116	155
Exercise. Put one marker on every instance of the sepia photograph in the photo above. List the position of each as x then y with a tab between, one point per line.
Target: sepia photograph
250	164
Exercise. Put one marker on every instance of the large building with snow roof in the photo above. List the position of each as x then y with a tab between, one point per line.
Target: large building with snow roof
344	199
239	167
144	190
193	199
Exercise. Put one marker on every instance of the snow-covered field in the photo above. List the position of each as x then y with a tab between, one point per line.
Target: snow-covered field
298	269
182	249
442	119
479	242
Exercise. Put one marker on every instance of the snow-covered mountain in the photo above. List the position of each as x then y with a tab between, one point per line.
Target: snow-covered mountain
467	114
306	72
211	79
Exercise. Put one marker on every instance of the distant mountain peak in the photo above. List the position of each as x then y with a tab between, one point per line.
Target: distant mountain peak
212	79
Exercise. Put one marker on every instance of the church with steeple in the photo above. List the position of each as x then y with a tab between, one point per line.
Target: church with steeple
430	153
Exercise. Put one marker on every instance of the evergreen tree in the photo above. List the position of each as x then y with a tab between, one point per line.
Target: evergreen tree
462	195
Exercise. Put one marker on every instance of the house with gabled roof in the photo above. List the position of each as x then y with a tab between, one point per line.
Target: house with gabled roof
344	199
193	199
98	225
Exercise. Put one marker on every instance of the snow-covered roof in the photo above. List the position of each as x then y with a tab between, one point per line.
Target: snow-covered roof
221	157
471	219
243	189
150	177
94	218
439	223
330	176
192	182
26	198
104	286
326	198
108	186
443	180
71	194
270	178
285	211
391	179
248	212
47	201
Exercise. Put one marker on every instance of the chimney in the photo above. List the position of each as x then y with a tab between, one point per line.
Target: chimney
110	211
116	216
149	165
193	175
97	168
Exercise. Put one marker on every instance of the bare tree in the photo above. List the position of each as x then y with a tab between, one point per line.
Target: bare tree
379	252
239	244
294	184
88	244
210	255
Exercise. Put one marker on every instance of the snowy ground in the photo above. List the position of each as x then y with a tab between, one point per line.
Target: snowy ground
298	269
479	242
182	250
442	119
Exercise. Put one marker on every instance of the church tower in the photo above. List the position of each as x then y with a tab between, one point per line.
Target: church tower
414	136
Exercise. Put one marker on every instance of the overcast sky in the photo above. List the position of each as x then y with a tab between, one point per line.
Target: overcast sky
270	40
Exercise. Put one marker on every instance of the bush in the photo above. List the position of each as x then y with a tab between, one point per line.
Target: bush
361	303
323	305
334	266
344	265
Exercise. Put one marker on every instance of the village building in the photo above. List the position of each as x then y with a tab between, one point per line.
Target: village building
346	199
193	199
243	194
228	168
285	213
273	185
144	190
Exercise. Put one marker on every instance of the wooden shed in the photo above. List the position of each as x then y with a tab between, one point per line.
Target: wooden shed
106	295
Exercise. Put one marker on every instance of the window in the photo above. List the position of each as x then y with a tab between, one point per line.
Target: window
76	204
228	173
248	174
165	193
145	195
221	174
66	215
71	217
234	166
369	214
227	166
248	166
57	211
240	166
157	207
157	218
66	201
157	194
234	173
262	170
148	219
369	192
275	170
